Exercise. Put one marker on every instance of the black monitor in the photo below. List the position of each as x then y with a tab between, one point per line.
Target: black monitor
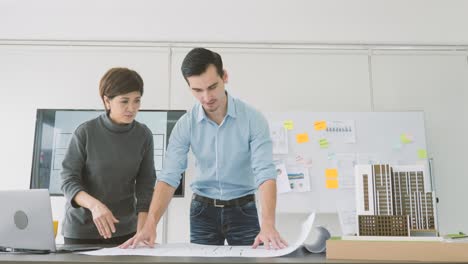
54	128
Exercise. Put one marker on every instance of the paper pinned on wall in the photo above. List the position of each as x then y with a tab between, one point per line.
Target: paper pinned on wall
299	178
320	125
345	162
279	138
302	138
288	124
301	161
347	221
282	180
344	130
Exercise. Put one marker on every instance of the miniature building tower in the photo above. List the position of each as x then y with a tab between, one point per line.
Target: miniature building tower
392	201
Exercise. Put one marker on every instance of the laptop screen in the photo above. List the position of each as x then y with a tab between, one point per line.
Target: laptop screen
26	220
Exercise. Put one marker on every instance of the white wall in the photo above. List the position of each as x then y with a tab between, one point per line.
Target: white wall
312	21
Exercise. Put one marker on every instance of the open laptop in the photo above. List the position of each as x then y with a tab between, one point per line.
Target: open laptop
26	223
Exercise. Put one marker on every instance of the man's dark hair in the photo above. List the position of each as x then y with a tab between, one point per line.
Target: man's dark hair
197	61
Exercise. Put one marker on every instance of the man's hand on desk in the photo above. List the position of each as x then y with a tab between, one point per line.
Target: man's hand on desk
147	236
270	238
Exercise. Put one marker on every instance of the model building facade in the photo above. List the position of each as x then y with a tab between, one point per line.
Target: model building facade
394	201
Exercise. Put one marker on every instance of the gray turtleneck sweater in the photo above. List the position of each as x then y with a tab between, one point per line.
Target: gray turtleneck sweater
114	164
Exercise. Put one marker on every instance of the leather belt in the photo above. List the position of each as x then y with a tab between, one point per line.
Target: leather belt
223	203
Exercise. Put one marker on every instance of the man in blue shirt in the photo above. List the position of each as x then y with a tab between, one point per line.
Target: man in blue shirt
233	151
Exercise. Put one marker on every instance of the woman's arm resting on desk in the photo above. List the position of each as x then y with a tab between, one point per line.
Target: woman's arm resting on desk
102	216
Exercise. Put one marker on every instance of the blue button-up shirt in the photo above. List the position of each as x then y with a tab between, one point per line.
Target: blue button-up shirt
232	159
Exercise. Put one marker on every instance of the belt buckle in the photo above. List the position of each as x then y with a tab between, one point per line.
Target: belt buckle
218	205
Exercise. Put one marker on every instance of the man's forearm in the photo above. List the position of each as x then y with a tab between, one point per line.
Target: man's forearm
162	195
268	202
141	220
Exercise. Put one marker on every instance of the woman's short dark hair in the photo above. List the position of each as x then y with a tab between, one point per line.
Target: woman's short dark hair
197	61
118	81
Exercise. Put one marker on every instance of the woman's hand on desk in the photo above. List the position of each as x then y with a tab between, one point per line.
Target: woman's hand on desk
147	236
103	219
102	216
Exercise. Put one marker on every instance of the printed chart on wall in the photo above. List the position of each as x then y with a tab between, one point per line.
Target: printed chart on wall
316	152
54	130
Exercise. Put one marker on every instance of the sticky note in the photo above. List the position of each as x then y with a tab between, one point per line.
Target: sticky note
331	173
323	142
332	184
397	146
288	124
422	154
320	125
406	139
302	138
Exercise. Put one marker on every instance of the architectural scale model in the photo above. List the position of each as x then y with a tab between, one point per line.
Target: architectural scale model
394	201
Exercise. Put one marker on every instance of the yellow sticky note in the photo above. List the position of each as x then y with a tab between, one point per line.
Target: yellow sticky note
422	154
332	184
302	138
331	173
323	142
320	125
288	124
405	139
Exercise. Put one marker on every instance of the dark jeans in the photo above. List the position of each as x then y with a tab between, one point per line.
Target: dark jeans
210	225
111	241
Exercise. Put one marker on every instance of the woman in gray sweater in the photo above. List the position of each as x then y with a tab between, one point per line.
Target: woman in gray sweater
108	172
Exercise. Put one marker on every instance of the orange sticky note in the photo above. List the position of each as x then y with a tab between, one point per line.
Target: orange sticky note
320	125
302	138
332	184
331	173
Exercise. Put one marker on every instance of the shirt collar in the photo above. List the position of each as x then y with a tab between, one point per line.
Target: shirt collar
231	109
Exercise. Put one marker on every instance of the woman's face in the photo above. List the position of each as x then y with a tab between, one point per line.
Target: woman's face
123	108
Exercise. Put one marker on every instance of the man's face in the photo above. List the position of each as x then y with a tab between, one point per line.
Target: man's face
208	88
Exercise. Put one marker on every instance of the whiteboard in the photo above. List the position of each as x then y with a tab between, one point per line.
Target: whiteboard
378	139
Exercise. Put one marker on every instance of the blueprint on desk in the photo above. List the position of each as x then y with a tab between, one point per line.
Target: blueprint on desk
195	250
